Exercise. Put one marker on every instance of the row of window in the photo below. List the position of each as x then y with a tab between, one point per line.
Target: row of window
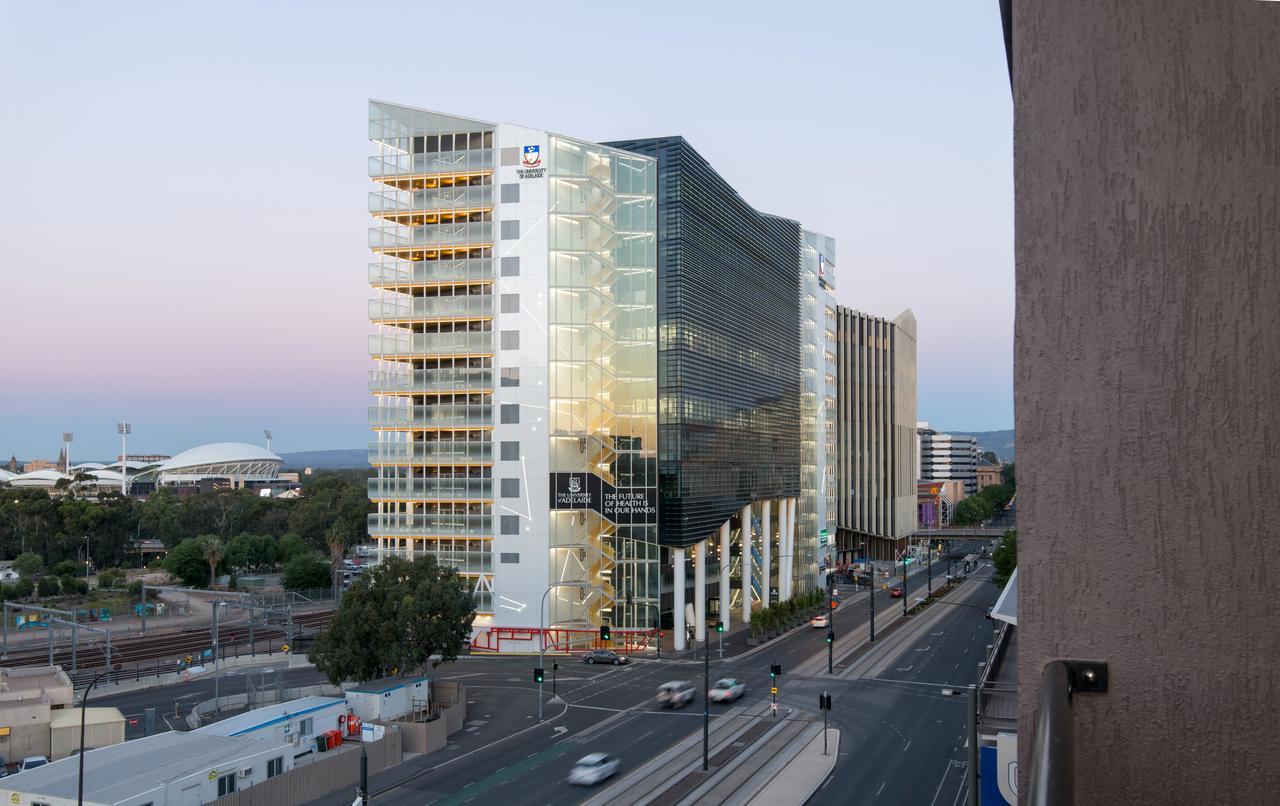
432	143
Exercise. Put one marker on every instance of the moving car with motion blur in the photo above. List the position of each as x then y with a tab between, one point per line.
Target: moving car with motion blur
591	770
820	620
605	656
675	694
727	689
895	593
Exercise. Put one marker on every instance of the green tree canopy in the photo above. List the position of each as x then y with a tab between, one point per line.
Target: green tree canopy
1009	476
47	586
305	572
29	564
186	561
393	620
1005	557
66	568
290	545
250	551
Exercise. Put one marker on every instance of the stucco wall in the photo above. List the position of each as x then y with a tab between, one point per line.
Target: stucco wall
1147	151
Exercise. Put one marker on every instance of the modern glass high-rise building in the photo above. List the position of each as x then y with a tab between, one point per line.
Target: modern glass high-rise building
816	524
515	414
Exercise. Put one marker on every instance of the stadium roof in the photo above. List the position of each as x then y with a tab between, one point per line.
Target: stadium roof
218	453
38	478
5	475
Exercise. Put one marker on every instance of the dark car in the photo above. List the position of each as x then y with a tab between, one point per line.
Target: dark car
895	593
605	656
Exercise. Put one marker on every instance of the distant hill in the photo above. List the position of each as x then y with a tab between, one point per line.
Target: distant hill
998	442
326	460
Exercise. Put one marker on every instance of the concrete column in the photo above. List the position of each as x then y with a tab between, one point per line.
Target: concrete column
746	568
725	598
784	552
766	545
700	590
791	544
677	588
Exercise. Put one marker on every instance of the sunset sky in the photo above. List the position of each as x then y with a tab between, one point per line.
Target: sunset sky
182	188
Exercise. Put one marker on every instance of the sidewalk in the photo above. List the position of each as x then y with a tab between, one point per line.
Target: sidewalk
802	775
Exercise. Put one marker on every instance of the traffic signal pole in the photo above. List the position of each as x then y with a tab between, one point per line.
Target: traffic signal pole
871	598
706	701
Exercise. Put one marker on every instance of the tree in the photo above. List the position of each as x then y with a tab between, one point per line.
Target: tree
66	568
247	551
186	561
393	620
72	586
337	551
47	586
989	458
24	587
29	564
290	545
1005	557
1008	476
305	572
211	549
110	577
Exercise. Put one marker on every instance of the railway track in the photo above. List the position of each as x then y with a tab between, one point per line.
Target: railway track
91	652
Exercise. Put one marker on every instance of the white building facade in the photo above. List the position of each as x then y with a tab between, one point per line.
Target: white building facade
948	457
515	393
816	517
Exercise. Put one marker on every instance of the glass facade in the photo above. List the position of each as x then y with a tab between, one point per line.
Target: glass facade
816	519
603	398
728	347
433	275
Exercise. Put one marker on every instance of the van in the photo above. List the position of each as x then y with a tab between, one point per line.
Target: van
675	694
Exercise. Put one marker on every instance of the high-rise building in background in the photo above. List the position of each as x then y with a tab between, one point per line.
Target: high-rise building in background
875	426
947	457
817	504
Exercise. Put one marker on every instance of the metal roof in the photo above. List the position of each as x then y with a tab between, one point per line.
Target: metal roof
386	684
1006	607
271	715
137	767
218	453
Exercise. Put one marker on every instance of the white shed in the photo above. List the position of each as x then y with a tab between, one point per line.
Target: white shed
388	699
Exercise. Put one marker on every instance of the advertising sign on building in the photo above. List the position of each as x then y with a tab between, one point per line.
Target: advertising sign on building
589	491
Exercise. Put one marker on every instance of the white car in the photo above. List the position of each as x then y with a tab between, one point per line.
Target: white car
820	620
31	762
727	690
675	694
591	770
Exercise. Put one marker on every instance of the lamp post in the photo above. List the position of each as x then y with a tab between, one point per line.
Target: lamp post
84	705
871	598
904	584
124	429
542	632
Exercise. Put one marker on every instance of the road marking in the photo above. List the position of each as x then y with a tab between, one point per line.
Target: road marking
881	789
905	668
905	748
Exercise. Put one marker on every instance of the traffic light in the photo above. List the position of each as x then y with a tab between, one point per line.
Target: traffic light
775	670
537	674
831	637
719	626
604	632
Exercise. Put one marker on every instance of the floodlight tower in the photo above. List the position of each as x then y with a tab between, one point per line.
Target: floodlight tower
267	433
124	429
67	439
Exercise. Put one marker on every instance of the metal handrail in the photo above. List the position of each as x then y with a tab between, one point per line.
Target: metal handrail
1053	748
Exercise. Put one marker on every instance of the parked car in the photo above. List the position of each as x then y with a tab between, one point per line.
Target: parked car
591	770
605	656
727	689
820	620
31	762
895	593
675	694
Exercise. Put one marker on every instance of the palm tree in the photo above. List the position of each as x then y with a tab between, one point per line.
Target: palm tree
211	548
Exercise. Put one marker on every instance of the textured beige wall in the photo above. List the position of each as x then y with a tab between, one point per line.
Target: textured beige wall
1147	179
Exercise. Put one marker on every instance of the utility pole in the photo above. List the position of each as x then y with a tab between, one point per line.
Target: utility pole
871	599
706	699
904	584
831	622
928	558
217	705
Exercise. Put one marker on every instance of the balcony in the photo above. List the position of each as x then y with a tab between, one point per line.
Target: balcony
437	162
430	380
464	562
430	271
431	452
426	344
382	202
431	307
431	489
430	416
395	236
396	525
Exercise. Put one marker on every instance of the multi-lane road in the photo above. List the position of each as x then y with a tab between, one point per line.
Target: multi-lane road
903	739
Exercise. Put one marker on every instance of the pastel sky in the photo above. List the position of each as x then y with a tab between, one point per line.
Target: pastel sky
182	186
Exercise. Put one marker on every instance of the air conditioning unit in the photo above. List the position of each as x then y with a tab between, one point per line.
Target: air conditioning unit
246	772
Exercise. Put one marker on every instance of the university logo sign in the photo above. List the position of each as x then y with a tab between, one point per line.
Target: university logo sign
575	484
532	156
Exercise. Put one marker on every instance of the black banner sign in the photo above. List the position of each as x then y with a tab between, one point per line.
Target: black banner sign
589	491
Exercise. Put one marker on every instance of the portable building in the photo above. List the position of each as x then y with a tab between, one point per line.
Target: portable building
388	699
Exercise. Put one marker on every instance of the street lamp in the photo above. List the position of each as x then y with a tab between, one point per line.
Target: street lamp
542	632
124	429
84	706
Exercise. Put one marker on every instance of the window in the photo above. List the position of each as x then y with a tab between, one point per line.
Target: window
508	557
304	727
510	525
510	303
509	413
510	376
509	156
226	784
509	451
510	230
275	766
510	488
510	192
510	339
510	267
